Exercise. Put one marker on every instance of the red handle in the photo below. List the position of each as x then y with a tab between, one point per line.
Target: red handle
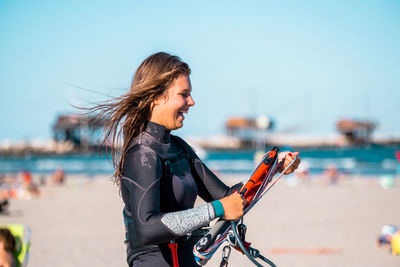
174	252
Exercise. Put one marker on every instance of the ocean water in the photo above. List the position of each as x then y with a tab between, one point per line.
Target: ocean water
371	160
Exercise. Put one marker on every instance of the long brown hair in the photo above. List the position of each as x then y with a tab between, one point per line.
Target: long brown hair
127	116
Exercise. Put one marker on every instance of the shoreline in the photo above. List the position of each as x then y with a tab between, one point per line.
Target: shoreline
26	148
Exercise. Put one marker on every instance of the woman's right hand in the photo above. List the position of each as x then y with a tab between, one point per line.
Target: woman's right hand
233	206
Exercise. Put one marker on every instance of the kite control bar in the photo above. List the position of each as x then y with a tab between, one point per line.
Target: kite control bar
252	191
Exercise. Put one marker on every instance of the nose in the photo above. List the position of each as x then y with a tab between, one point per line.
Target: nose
190	101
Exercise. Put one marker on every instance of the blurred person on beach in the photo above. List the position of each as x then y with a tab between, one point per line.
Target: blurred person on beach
26	177
159	175
301	177
4	203
24	187
58	177
4	194
30	188
332	175
7	247
390	238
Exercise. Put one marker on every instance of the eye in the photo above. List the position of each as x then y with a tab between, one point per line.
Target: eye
185	94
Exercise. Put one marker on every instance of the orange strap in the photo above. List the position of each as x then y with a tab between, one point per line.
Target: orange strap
251	187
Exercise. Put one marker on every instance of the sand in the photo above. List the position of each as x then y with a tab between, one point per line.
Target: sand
314	224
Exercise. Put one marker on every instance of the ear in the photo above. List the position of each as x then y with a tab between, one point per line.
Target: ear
159	100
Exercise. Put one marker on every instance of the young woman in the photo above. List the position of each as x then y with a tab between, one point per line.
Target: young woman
159	175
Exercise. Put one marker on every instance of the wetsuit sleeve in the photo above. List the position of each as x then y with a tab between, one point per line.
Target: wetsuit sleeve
141	177
210	186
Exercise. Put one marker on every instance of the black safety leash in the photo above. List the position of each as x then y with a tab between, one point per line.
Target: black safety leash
252	253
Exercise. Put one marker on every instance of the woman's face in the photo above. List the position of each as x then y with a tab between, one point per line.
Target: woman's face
169	109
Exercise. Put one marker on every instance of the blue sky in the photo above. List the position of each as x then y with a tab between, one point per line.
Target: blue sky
305	63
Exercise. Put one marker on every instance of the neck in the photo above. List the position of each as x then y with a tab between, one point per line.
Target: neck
158	132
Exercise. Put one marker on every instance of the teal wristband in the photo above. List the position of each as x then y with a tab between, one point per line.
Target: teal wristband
219	209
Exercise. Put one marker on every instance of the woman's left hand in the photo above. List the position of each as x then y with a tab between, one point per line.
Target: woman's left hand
285	158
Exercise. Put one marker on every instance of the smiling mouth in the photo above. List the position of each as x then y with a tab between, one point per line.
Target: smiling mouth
180	113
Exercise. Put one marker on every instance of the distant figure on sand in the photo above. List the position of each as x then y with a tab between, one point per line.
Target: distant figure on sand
4	194
58	177
302	176
30	188
7	247
332	174
390	238
158	173
25	187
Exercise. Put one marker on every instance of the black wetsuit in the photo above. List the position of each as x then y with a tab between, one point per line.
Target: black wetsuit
162	177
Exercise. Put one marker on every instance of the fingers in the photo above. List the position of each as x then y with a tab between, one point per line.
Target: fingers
288	161
292	168
295	164
285	159
241	198
244	200
233	206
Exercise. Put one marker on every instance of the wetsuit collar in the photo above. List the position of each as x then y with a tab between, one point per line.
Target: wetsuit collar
158	132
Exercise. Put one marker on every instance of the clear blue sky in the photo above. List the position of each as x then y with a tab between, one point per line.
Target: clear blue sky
305	63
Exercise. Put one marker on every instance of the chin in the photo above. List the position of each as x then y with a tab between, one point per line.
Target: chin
175	127
178	126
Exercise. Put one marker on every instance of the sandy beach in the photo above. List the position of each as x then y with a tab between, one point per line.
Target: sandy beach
313	224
